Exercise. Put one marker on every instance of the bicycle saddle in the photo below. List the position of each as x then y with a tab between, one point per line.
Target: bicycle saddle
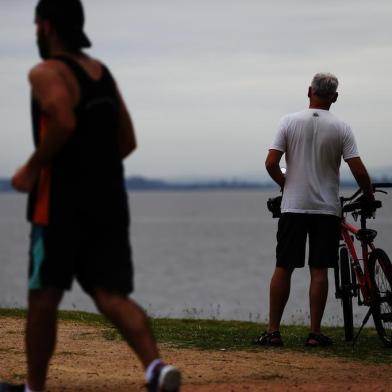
366	235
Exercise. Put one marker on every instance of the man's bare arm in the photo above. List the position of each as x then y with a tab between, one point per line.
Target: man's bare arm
127	138
49	89
273	168
361	175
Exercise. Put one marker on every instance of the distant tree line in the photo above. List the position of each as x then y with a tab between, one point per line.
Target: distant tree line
139	183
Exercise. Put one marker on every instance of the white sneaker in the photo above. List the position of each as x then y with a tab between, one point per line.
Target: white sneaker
166	378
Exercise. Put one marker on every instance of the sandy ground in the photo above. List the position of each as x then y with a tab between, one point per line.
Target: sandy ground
85	361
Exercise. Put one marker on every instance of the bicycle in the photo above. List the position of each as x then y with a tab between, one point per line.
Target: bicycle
369	279
370	283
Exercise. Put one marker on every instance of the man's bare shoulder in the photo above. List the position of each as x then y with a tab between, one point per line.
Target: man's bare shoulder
48	84
44	72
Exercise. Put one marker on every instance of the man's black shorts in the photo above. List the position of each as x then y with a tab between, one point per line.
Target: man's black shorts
98	256
324	234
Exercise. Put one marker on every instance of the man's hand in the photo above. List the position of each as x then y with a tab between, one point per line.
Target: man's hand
25	178
368	203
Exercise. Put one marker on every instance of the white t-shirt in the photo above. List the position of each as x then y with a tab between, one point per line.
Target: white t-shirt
314	141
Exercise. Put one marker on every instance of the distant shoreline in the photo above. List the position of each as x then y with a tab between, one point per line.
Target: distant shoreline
139	183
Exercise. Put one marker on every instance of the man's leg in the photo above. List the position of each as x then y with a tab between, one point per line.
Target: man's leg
279	294
41	330
131	321
318	294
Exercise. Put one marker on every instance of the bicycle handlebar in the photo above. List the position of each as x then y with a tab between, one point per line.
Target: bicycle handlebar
376	187
359	205
364	207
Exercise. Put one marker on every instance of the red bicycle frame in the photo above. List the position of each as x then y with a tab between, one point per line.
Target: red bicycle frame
363	276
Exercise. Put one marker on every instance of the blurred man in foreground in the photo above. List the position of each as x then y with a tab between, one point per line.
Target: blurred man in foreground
77	200
314	141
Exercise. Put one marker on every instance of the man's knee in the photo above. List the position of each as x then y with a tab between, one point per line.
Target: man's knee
319	275
283	273
45	300
107	301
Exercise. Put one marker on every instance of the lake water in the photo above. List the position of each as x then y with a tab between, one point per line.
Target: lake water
196	254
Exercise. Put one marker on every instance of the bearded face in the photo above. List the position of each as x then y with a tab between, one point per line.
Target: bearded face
42	40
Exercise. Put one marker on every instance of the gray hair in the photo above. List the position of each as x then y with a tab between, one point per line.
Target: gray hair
324	84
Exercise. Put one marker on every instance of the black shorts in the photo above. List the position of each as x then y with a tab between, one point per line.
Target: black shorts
324	235
98	256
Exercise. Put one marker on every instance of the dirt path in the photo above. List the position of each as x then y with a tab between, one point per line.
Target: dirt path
86	361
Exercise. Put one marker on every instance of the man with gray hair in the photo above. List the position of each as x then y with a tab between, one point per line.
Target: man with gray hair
324	85
314	141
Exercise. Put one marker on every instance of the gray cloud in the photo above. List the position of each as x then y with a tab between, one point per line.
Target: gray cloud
207	81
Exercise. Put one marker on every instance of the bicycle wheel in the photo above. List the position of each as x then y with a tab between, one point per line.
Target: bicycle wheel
380	269
345	281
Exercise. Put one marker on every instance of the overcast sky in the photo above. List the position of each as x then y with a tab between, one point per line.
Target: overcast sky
206	81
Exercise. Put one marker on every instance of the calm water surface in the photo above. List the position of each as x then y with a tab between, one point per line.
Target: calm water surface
196	254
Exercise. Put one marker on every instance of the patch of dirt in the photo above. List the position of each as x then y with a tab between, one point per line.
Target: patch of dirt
86	361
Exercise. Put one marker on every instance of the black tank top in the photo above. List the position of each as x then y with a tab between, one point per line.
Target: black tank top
86	176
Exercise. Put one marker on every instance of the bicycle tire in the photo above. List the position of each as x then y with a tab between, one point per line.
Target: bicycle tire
347	302
380	269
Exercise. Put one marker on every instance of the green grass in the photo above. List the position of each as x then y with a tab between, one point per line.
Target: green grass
218	335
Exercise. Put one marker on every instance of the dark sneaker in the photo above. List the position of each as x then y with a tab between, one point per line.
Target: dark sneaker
4	387
269	339
165	378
